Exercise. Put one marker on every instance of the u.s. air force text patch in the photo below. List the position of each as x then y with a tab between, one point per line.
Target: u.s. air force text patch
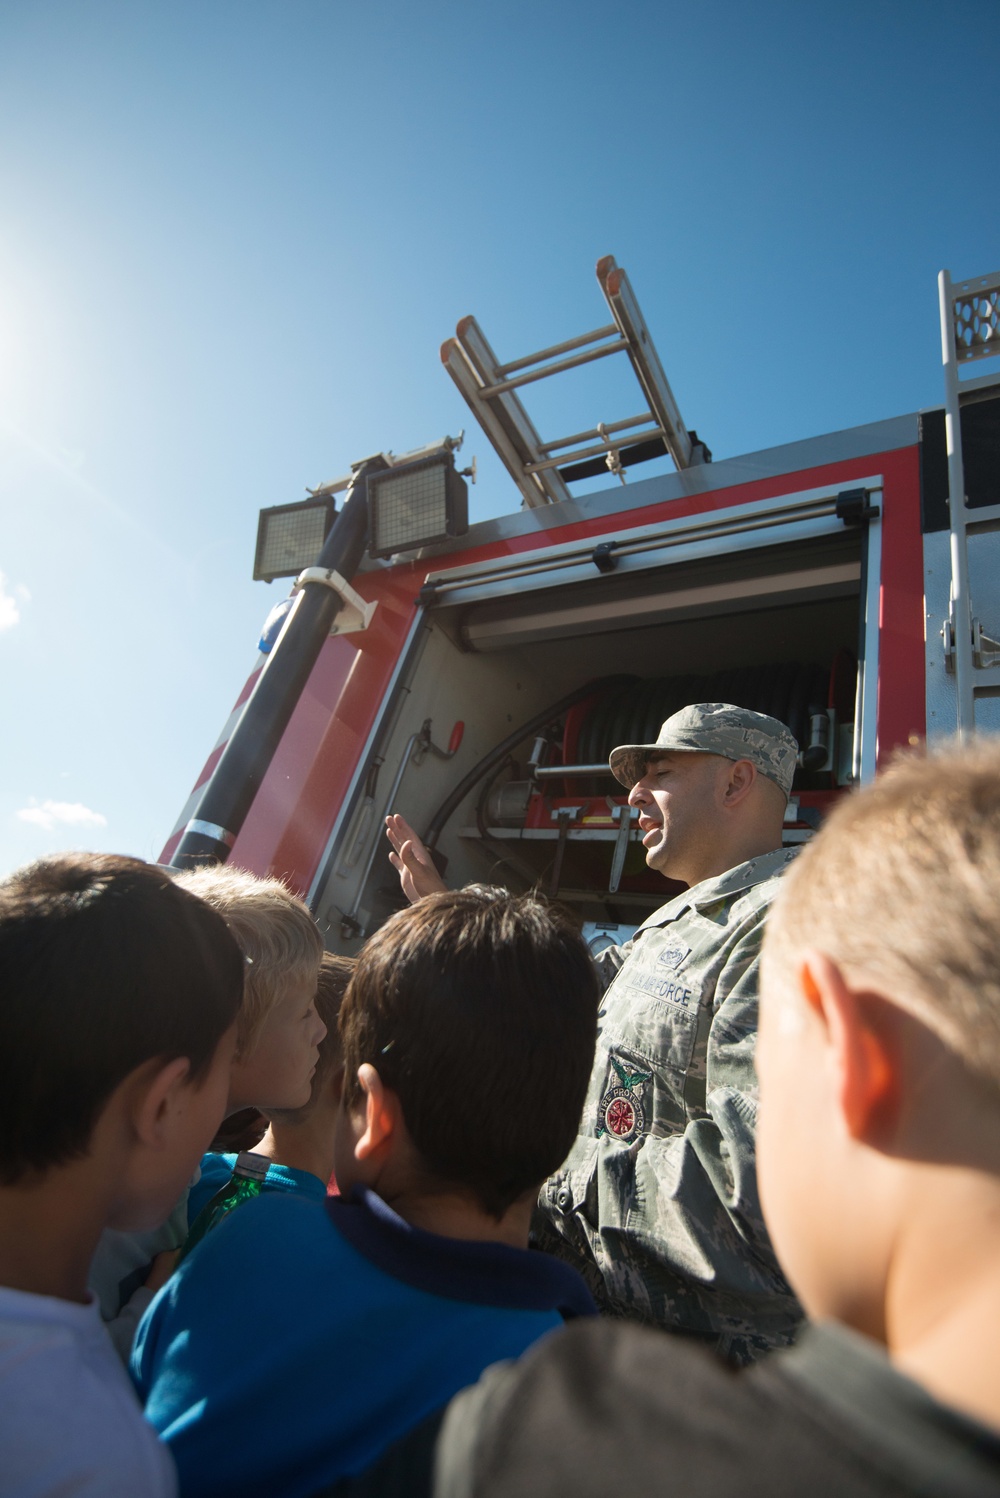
620	1112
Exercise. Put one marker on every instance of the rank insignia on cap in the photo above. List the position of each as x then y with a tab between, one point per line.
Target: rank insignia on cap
620	1112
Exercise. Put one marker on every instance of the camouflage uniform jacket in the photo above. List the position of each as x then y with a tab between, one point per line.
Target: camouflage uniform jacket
657	1203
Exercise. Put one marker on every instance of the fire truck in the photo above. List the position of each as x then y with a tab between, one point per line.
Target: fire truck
475	677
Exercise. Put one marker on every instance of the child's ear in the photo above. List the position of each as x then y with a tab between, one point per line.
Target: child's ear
157	1096
861	1036
380	1108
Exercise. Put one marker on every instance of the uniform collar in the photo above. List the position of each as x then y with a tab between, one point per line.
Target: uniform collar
744	876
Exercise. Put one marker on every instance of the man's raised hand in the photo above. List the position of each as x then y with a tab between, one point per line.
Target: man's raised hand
411	860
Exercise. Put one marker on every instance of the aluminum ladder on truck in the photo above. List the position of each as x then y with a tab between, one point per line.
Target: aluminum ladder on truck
970	329
540	469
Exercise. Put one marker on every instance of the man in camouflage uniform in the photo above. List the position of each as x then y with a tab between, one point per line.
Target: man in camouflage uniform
657	1204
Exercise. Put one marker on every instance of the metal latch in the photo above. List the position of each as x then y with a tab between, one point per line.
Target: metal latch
985	651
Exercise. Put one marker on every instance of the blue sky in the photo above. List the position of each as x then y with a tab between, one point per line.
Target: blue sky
233	236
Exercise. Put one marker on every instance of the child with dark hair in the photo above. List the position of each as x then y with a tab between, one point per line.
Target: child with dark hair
468	1033
293	1145
277	1035
117	1030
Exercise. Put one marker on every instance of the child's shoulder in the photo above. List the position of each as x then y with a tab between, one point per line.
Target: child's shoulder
42	1332
271	1252
215	1172
280	1231
216	1169
59	1373
278	1218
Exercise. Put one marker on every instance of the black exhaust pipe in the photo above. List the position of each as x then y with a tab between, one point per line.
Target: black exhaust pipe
229	793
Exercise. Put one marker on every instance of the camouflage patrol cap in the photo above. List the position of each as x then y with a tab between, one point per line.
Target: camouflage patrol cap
716	728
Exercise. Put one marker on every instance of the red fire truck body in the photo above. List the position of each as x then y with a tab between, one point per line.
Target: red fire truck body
810	580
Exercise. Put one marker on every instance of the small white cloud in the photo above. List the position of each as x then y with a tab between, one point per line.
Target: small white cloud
51	814
10	613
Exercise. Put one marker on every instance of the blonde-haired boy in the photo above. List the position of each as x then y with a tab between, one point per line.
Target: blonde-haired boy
295	1145
279	1031
277	1048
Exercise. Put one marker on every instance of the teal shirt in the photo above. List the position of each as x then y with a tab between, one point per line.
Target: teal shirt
216	1170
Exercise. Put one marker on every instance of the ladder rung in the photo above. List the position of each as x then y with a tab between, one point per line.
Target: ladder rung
597	451
608	331
587	357
985	680
981	517
980	382
588	436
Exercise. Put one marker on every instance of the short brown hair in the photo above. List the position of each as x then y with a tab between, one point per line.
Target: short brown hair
902	887
479	1010
273	928
104	964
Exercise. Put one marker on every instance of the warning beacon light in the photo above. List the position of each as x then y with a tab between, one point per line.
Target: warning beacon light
290	537
416	502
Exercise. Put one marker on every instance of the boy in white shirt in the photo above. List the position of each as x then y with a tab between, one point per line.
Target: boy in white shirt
119	994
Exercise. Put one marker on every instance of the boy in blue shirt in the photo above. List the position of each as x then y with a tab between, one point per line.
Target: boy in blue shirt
301	1338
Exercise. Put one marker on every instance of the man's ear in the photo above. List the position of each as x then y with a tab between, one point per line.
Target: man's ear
156	1098
381	1111
861	1030
739	782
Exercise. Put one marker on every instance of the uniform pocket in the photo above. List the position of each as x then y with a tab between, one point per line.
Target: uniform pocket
654	1012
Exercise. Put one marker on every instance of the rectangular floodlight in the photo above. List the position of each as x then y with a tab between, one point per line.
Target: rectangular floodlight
414	505
290	537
